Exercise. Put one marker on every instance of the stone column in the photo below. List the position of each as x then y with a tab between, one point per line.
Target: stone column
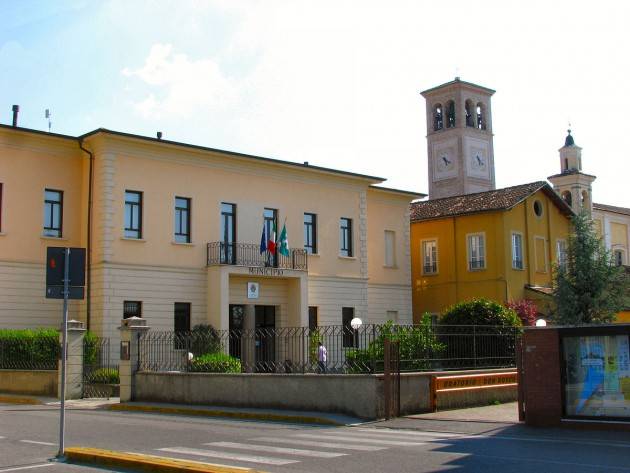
74	364
130	331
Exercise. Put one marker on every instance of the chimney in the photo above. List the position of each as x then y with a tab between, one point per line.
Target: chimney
16	109
305	163
159	135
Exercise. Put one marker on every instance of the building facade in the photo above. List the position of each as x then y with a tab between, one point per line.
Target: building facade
500	245
174	235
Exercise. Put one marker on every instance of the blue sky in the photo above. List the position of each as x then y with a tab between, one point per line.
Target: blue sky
333	82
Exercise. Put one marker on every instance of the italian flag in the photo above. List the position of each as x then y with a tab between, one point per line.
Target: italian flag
284	241
271	242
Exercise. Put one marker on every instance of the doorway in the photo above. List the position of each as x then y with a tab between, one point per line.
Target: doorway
265	338
237	317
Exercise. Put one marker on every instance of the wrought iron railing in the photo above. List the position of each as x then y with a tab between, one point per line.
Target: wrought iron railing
32	353
100	368
248	254
297	349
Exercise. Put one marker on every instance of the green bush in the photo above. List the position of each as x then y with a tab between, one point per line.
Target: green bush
215	363
480	312
418	346
29	349
105	376
90	348
204	339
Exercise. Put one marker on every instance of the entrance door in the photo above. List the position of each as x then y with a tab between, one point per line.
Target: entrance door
265	338
237	316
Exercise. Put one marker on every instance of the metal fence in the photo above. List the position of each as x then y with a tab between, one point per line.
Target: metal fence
329	349
30	353
100	368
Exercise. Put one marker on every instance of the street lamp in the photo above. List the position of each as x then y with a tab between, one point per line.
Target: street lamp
541	323
355	324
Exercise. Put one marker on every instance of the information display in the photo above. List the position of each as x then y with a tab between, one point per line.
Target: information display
597	376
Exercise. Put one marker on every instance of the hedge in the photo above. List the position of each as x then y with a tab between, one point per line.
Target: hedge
29	349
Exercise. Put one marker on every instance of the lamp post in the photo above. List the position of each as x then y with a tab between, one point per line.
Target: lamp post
355	324
541	323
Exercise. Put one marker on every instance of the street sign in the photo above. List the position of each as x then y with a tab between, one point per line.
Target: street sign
55	266
56	292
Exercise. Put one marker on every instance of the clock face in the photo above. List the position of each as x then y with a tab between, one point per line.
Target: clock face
444	162
478	161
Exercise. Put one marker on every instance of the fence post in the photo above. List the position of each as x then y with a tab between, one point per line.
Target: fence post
130	331
74	365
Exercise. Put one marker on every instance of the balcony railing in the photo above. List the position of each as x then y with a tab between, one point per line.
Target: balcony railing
248	254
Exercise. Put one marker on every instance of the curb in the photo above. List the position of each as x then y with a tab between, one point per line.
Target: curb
142	462
264	416
19	400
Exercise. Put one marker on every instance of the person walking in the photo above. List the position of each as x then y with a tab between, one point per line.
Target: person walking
322	357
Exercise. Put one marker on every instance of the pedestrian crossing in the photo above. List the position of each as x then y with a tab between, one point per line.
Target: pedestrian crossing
329	443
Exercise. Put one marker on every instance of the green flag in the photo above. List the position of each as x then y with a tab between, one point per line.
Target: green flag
284	241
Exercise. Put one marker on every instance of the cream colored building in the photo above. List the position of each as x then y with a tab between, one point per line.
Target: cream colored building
174	230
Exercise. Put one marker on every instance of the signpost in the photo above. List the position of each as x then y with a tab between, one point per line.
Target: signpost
65	279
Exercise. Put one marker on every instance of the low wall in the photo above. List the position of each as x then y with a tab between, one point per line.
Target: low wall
37	382
356	395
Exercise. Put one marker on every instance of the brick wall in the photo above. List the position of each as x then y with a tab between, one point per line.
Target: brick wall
542	389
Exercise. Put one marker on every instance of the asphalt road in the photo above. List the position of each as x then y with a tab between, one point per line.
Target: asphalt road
28	439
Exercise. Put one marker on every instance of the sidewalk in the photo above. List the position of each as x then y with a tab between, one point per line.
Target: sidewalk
504	413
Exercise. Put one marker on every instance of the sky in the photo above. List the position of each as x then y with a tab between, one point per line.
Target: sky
336	83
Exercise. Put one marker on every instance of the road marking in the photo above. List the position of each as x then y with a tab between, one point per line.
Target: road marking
39	443
17	468
228	456
288	451
361	440
406	433
310	443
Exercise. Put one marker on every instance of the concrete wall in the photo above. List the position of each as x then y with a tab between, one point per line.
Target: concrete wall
356	395
38	382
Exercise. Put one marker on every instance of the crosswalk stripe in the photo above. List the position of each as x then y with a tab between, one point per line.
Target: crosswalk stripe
310	443
35	442
376	435
266	448
405	433
228	455
357	439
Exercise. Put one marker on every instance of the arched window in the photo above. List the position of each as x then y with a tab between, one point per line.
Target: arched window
470	120
481	116
584	199
450	114
566	195
438	117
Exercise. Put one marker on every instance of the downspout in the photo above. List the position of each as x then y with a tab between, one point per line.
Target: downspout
89	236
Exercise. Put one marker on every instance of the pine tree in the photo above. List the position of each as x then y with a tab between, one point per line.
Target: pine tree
589	289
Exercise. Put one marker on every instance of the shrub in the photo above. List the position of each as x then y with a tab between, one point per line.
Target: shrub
29	349
215	363
480	312
90	348
418	345
525	309
204	339
105	376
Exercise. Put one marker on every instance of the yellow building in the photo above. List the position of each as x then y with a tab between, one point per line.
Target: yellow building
173	233
500	244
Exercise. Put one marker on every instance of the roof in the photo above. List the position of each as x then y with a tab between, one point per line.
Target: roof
611	208
417	195
457	80
372	179
569	141
570	172
547	291
488	201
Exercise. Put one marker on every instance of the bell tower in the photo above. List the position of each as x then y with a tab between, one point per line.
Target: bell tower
572	184
459	139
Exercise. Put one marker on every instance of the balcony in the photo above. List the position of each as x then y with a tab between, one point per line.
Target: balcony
248	254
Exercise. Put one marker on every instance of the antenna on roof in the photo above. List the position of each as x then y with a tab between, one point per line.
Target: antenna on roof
48	115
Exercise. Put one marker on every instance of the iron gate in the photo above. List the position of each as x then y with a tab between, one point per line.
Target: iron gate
100	368
391	378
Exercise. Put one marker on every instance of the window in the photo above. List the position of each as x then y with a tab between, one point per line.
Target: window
438	118
310	233
476	252
228	233
538	208
345	236
561	253
481	118
566	195
470	121
392	315
182	317
53	212
618	257
347	314
517	251
429	257
390	249
312	318
450	114
132	309
182	219
540	245
133	214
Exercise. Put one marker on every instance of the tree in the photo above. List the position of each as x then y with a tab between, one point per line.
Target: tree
589	288
525	309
